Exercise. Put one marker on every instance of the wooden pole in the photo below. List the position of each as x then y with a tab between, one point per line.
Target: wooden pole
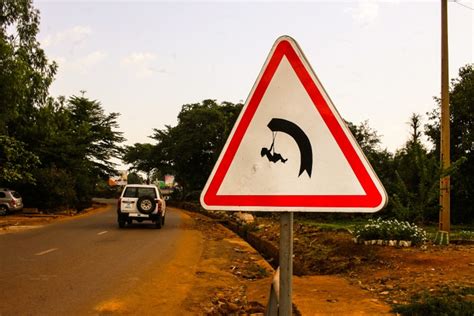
444	185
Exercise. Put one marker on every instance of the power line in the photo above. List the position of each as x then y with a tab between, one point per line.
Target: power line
463	5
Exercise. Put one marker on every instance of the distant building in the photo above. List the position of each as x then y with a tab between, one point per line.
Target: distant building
121	179
169	180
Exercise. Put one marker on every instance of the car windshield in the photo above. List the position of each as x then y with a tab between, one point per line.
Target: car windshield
16	195
137	192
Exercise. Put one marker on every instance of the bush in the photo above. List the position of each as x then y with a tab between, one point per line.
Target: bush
466	235
389	230
54	190
445	303
104	190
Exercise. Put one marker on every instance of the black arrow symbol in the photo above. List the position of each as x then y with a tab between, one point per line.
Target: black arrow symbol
290	128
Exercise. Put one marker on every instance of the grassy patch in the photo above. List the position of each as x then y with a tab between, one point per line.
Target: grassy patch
457	231
336	225
459	302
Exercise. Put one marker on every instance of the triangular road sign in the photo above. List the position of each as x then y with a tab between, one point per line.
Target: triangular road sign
290	150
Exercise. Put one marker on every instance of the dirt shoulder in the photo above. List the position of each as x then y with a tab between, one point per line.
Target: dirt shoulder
230	277
387	274
21	221
337	276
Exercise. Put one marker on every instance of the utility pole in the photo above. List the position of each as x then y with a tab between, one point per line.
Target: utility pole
444	185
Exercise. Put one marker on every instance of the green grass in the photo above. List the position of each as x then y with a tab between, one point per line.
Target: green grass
455	233
335	225
447	302
349	224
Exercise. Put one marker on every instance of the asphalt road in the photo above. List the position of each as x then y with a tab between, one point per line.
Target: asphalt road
68	267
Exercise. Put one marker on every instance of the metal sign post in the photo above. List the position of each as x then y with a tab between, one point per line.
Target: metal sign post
286	263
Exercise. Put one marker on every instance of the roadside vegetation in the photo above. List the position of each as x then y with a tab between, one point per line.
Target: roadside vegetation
53	151
447	302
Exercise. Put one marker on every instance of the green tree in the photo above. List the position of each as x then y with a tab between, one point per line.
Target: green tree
141	157
55	189
75	141
134	178
25	73
190	149
25	76
380	159
95	135
66	145
414	194
461	97
16	163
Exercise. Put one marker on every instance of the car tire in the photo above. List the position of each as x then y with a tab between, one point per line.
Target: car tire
3	210
121	221
146	205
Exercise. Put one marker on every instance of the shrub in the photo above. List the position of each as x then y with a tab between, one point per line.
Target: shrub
466	235
389	230
447	302
54	190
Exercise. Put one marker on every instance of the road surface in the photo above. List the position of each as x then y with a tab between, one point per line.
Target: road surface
88	265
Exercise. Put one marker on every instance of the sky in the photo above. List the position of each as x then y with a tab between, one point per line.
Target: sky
378	60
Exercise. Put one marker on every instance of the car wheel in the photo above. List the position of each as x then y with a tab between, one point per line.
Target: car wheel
121	221
146	204
3	210
158	223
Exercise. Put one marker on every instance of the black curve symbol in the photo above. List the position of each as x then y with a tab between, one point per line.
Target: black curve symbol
306	152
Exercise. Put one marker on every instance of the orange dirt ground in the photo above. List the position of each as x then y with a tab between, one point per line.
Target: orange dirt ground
388	274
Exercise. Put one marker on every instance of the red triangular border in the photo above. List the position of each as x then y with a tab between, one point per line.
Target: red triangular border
373	198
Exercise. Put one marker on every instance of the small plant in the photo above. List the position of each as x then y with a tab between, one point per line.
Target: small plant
447	302
466	235
380	229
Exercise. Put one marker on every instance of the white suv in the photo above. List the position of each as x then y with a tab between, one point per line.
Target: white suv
141	202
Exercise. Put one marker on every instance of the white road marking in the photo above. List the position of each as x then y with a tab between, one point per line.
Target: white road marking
46	251
101	233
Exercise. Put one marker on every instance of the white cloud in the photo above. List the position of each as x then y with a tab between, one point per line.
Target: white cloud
90	60
138	58
82	65
143	63
74	36
366	12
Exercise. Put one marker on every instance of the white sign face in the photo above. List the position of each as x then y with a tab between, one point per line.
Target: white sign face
290	150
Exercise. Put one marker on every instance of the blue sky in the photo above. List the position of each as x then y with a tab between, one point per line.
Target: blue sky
378	60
